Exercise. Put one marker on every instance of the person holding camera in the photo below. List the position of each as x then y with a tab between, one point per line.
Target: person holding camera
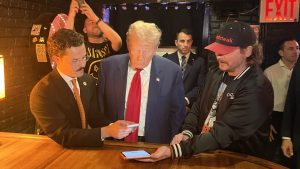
102	40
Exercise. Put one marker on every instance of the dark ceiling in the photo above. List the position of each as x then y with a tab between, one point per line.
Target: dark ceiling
223	7
224	3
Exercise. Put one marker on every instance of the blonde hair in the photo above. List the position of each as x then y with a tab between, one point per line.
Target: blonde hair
145	31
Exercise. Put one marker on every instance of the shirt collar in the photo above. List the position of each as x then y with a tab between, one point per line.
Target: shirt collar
146	69
180	55
64	76
282	64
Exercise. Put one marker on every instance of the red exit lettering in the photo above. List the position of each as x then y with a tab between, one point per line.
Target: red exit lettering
277	5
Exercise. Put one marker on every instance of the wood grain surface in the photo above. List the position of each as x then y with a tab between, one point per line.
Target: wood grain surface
26	151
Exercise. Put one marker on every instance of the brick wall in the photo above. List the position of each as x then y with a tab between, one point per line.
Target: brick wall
16	17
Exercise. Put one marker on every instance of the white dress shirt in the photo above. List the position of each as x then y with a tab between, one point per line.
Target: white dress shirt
145	79
180	57
279	75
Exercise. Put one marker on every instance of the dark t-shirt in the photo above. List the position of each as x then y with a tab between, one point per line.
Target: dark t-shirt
97	52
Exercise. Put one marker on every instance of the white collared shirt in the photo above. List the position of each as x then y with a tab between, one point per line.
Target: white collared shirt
279	75
180	57
68	80
145	79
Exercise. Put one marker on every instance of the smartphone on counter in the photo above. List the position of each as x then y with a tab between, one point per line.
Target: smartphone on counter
137	154
80	2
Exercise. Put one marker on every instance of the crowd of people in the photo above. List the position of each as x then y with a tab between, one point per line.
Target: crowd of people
95	94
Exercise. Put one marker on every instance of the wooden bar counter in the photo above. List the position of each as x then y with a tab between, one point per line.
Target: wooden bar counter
26	151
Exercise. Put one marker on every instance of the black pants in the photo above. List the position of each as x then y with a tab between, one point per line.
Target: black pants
274	148
295	160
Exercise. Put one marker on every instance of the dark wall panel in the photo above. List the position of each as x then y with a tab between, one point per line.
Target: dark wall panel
169	18
272	33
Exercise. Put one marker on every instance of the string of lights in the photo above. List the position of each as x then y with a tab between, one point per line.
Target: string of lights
149	6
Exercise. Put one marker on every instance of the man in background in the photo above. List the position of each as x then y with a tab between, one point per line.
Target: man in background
102	40
193	67
143	87
279	75
64	102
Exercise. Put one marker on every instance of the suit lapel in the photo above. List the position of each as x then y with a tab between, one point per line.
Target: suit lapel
156	80
174	58
62	86
83	84
189	65
120	79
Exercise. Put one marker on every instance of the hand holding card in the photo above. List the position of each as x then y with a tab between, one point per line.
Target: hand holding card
132	125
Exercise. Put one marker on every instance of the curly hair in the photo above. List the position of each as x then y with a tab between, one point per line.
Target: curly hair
62	40
256	58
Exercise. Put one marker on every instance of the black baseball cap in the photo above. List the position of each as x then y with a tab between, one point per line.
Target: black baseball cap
232	36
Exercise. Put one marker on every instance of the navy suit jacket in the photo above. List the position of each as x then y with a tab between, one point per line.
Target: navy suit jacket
194	75
165	111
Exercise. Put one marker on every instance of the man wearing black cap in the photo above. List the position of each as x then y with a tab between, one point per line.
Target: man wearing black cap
233	111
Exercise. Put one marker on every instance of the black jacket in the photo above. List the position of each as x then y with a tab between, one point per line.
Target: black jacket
54	107
242	118
194	75
291	116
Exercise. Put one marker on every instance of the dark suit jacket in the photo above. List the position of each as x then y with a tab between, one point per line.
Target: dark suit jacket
165	107
194	75
54	107
291	115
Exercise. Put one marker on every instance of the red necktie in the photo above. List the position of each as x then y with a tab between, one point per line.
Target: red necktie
134	104
79	103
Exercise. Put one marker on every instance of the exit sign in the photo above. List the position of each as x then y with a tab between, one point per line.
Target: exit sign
279	11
